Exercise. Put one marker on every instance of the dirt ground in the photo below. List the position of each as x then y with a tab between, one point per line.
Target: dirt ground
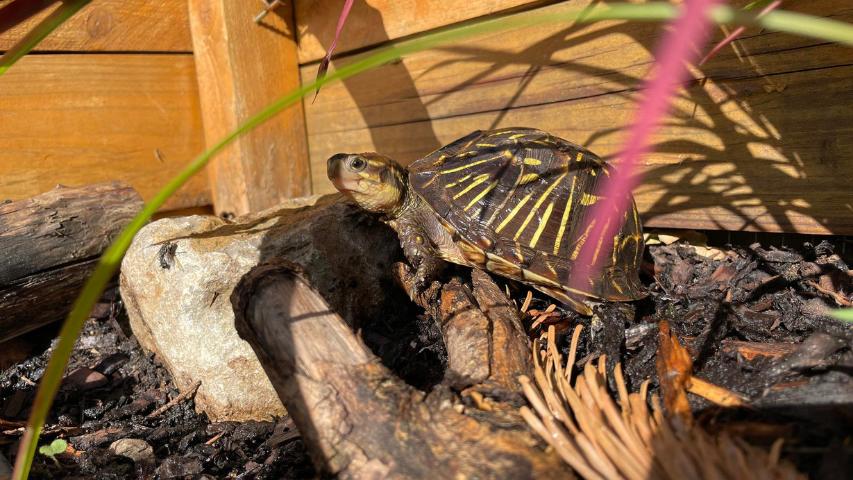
113	391
754	319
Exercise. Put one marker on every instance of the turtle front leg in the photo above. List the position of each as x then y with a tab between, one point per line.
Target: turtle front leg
421	257
420	254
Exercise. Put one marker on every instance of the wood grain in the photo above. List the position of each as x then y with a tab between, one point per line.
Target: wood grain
376	21
50	245
104	26
82	119
241	68
759	141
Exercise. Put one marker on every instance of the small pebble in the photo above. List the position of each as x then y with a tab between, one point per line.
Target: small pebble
133	448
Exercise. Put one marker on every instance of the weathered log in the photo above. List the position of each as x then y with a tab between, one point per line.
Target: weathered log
485	340
49	244
359	420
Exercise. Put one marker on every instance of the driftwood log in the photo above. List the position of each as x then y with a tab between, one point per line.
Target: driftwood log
49	244
358	419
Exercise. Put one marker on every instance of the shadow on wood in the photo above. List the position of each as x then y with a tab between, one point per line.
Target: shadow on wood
754	141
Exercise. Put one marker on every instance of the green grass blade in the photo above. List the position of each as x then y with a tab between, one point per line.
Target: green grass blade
110	260
789	22
40	31
845	314
809	26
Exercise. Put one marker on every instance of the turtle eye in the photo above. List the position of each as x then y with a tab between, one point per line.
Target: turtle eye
357	164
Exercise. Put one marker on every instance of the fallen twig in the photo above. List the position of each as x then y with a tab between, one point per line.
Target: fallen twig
180	398
215	438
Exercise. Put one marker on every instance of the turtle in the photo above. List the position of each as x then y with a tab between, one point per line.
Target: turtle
511	201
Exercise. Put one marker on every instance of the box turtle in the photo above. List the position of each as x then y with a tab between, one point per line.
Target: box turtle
511	201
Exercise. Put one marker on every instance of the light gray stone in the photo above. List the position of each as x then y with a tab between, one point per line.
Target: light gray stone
178	297
135	449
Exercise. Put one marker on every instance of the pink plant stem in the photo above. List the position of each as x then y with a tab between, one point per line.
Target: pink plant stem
339	28
738	31
342	19
680	45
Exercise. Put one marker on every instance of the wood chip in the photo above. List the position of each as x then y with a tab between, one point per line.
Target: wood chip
675	369
715	393
839	299
752	350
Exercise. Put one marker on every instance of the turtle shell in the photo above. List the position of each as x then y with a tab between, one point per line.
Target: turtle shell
515	201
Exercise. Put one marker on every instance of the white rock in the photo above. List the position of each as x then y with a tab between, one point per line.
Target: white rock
135	449
183	313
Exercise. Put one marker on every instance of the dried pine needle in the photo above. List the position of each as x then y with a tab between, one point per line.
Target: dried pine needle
527	300
715	393
605	438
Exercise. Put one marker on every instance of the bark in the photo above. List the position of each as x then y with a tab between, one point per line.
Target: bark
49	244
359	420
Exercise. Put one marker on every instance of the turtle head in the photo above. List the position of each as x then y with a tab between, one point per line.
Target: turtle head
375	182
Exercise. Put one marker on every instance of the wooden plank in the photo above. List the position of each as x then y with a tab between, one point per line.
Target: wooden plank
105	25
81	119
376	21
241	68
761	140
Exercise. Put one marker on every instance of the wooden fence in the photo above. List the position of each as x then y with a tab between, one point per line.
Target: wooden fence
760	140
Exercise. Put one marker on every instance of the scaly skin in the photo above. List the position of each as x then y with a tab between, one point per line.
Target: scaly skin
418	231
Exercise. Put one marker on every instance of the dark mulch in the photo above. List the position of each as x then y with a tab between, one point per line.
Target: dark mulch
754	322
110	393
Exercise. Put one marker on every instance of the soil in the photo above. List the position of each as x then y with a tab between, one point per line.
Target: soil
754	319
113	391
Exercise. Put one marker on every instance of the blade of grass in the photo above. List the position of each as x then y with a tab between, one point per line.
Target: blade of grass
845	314
40	31
789	22
109	261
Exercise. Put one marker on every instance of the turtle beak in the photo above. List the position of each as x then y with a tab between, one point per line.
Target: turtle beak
341	177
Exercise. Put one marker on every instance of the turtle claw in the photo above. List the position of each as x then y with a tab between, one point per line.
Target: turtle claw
420	289
421	281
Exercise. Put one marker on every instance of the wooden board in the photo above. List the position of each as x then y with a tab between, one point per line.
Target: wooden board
105	25
81	119
241	68
373	22
760	141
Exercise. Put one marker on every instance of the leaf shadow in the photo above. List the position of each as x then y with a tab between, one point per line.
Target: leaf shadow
731	155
